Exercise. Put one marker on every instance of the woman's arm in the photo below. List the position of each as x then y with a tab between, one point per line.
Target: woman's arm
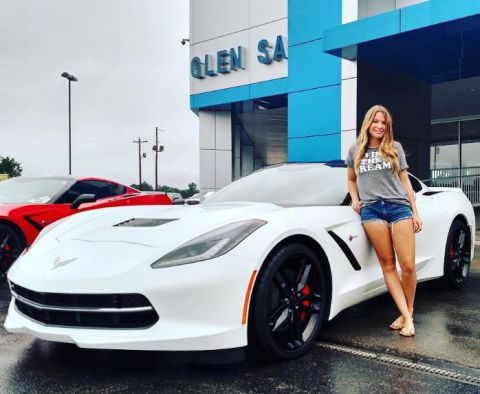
353	189
417	224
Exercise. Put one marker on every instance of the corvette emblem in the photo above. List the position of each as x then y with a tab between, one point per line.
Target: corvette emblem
350	237
60	263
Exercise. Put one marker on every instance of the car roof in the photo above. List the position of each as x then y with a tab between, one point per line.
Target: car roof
60	177
331	163
69	178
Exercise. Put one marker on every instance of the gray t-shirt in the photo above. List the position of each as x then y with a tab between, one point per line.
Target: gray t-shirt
375	178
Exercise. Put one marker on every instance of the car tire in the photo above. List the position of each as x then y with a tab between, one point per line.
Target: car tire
12	244
288	304
456	267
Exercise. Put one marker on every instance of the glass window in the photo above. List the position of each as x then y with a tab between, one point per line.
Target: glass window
455	144
23	190
116	189
259	134
101	189
444	150
471	143
288	185
76	190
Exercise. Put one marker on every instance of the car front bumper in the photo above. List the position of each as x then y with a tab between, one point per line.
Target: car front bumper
200	307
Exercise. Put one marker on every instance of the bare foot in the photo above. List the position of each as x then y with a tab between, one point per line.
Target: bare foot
397	324
408	329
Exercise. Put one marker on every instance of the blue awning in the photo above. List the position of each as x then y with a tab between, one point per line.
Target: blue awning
435	41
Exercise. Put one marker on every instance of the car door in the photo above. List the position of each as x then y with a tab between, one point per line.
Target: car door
355	240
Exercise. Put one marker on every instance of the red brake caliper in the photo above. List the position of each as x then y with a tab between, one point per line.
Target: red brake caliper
305	291
451	252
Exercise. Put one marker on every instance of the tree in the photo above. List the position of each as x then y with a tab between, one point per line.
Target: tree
8	165
168	189
145	186
192	189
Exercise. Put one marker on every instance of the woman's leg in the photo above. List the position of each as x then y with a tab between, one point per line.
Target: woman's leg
379	236
403	238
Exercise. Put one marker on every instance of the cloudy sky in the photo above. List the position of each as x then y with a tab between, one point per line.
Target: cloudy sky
133	75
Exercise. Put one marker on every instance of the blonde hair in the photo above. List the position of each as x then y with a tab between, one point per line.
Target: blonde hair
386	149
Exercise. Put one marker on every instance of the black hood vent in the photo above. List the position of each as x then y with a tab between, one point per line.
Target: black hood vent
142	222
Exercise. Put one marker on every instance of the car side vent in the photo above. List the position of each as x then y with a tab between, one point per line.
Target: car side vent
346	250
431	193
143	222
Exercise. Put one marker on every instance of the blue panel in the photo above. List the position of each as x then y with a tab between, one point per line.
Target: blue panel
314	149
308	18
269	88
314	112
437	11
430	53
365	29
240	93
222	96
402	20
309	67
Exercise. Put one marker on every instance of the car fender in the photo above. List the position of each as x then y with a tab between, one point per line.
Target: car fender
312	223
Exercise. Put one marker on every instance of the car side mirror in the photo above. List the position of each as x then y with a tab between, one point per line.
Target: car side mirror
178	201
82	198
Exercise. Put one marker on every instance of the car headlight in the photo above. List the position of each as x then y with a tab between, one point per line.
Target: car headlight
213	244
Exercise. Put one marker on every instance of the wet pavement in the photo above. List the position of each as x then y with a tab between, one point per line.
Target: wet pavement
44	367
447	337
447	325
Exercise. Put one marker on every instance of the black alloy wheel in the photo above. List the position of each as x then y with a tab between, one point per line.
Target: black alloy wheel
457	256
11	245
288	304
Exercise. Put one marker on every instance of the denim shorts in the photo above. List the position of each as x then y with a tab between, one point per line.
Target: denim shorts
384	211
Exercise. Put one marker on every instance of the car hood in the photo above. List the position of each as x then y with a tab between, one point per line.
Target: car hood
92	245
159	226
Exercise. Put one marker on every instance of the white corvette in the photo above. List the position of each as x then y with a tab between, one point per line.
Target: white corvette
263	263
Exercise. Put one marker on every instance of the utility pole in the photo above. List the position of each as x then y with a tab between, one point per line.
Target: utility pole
157	149
140	142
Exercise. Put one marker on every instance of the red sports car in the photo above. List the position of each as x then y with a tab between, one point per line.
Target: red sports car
28	204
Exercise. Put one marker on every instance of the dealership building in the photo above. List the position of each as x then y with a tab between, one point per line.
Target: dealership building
277	81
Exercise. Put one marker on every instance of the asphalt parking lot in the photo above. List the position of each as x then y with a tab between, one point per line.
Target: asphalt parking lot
356	353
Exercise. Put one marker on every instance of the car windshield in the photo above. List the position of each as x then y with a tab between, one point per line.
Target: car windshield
23	190
288	185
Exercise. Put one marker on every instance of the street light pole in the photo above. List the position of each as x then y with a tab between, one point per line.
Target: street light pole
157	149
69	127
140	142
70	78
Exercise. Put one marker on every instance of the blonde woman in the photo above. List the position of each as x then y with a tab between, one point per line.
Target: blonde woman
383	196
